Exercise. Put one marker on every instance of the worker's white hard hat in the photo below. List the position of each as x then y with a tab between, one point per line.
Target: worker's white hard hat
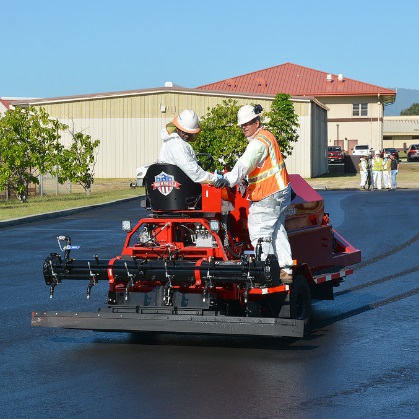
247	113
187	121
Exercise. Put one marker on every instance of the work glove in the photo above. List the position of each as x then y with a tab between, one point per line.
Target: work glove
221	183
219	175
242	186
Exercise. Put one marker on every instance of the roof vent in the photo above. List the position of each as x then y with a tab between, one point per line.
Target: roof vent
261	82
231	83
340	77
329	77
168	84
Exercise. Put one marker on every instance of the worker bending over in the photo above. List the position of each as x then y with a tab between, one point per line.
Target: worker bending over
176	148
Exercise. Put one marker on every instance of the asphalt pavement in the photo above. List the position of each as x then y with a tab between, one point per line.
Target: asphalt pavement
359	361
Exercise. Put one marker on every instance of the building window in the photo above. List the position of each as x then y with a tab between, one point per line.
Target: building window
360	109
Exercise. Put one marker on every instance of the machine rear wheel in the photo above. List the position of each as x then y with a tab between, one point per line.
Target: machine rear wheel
300	300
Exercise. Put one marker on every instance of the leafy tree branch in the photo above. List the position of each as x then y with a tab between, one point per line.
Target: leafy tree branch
221	137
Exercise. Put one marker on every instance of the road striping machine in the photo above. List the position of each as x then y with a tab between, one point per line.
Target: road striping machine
189	266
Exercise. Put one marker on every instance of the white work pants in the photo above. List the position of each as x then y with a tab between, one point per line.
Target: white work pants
387	179
267	220
377	176
364	176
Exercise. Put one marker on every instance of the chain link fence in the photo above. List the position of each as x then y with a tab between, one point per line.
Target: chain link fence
48	186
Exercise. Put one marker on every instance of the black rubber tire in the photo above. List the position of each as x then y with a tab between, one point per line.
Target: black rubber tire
300	300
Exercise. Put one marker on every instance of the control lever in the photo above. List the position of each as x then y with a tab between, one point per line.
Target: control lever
93	280
66	249
258	250
130	282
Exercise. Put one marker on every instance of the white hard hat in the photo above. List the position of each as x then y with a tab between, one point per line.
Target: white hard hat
187	121
247	113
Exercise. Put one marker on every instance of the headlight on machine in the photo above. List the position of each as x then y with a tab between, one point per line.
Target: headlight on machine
126	226
214	225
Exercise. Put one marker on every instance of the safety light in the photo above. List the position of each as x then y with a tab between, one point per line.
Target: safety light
126	226
214	225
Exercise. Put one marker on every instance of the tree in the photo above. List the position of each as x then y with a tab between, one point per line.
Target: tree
77	162
413	110
221	137
29	146
282	121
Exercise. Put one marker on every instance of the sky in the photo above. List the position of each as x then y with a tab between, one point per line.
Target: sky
53	48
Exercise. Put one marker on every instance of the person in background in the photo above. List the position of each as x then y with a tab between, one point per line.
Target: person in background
370	184
269	189
377	170
363	171
176	148
394	169
387	172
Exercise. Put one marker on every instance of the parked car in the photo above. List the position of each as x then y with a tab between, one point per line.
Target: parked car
390	150
361	150
140	174
335	154
413	152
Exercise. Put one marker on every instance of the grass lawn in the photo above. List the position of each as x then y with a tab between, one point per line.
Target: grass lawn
103	190
108	190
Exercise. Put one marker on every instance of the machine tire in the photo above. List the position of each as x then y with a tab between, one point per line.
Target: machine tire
300	300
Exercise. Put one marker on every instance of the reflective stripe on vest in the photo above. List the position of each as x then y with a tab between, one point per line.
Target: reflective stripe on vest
272	176
377	165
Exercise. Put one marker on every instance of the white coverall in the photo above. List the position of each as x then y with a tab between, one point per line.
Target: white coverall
387	173
176	151
363	171
267	216
377	172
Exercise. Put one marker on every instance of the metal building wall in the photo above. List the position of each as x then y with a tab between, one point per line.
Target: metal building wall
309	154
319	127
400	131
129	126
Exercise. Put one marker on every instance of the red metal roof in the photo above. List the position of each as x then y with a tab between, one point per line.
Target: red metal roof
297	80
5	103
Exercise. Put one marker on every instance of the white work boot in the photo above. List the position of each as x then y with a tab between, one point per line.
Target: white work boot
285	277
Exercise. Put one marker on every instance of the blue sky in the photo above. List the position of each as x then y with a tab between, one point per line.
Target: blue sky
67	47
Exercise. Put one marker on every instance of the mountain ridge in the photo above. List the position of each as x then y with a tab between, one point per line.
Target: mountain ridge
405	98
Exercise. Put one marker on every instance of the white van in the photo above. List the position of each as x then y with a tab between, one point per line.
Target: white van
361	150
140	174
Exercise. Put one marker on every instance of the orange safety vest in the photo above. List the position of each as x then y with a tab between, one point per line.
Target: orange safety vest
272	176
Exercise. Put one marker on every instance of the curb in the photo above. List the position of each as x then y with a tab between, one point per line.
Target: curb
61	213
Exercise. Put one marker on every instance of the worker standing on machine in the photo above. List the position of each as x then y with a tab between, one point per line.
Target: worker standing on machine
269	188
176	148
